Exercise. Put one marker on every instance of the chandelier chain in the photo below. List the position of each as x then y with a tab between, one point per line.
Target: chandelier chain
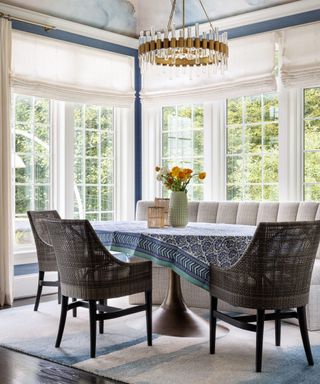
183	17
173	8
207	16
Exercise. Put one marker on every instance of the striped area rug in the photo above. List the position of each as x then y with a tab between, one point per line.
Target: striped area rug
123	354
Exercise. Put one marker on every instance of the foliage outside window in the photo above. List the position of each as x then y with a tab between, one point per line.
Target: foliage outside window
312	144
182	142
252	148
93	162
32	137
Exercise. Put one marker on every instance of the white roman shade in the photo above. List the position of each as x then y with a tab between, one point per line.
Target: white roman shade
301	56
52	68
251	70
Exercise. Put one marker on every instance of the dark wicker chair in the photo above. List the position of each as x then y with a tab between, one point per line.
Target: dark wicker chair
273	274
88	271
46	257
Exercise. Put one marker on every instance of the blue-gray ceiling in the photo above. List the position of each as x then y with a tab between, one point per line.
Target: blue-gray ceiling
128	17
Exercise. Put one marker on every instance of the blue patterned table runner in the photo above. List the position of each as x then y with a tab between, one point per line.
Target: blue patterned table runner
188	251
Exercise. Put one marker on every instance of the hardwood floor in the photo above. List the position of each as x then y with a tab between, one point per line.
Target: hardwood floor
18	368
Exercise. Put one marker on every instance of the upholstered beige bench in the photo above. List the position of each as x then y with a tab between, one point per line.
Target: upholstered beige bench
245	213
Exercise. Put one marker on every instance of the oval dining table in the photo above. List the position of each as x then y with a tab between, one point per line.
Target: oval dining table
187	252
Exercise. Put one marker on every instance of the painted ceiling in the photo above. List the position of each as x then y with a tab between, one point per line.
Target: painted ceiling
128	17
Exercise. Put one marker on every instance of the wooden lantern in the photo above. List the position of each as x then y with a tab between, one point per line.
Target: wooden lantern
156	217
164	203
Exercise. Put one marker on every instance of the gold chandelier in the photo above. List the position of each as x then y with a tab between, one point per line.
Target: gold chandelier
186	50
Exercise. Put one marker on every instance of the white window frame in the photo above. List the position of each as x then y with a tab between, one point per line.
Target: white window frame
192	129
244	154
70	161
27	254
61	172
290	122
303	141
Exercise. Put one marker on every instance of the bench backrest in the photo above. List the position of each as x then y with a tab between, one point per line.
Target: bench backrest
246	213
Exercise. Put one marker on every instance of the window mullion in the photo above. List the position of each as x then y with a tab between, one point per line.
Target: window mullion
243	154
99	163
262	147
33	163
84	194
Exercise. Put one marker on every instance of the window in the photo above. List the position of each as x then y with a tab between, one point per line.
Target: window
252	148
35	129
312	144
182	142
93	162
32	133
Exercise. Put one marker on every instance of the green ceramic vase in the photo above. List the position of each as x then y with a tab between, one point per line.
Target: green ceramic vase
178	209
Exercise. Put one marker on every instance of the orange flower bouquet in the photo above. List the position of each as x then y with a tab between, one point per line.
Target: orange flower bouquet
177	179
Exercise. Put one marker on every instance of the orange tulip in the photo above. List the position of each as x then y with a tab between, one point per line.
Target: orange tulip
182	175
157	169
202	175
187	171
175	171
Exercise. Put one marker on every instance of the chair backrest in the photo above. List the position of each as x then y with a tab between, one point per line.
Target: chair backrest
279	261
82	259
45	253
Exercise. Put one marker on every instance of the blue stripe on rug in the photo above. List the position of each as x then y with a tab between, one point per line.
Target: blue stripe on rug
148	363
43	348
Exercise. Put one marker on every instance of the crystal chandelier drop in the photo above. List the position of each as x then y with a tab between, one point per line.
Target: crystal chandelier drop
188	49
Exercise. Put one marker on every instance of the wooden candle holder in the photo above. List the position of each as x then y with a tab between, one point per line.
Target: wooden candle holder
156	217
164	203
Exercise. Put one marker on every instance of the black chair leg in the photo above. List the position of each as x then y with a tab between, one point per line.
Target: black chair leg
278	329
39	290
101	322
304	333
213	324
59	289
259	338
93	327
63	316
148	297
74	310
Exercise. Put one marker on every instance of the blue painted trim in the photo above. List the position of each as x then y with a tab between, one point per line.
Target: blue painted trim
271	25
138	133
26	269
74	38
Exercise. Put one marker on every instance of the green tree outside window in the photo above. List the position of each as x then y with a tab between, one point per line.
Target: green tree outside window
252	148
182	142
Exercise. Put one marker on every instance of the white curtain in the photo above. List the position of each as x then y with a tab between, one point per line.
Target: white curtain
300	47
214	150
151	151
124	165
6	211
250	71
290	144
51	68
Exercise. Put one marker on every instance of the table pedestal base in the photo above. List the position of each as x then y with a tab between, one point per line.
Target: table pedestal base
180	324
173	318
